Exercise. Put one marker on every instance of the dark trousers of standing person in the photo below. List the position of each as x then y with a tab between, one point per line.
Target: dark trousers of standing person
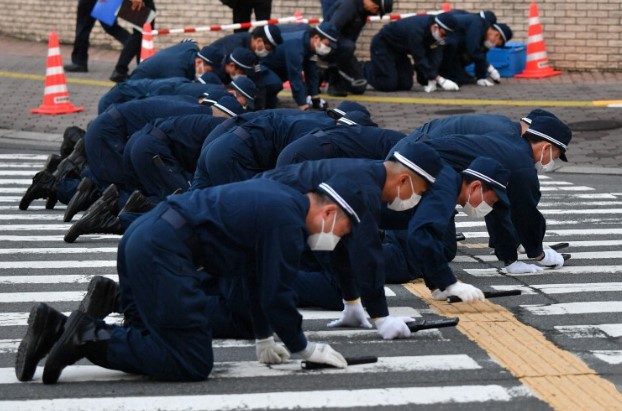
84	26
243	10
131	49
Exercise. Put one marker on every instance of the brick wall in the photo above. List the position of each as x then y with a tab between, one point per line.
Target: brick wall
579	34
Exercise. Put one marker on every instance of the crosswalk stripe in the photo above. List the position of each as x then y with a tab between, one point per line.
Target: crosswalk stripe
11	265
375	397
58	250
592	307
35	227
564	288
609	356
38	157
590	269
32	217
53	238
52	279
560	232
17	173
571	188
591	331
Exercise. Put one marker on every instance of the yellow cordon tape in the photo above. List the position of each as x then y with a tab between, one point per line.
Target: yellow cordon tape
556	376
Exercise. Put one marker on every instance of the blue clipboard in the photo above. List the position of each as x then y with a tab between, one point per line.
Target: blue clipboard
106	11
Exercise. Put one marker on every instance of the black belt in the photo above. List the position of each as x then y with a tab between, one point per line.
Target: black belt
159	134
118	117
327	147
178	222
240	132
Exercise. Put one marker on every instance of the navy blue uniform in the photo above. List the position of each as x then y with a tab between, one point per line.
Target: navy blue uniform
254	230
174	61
390	68
465	46
105	138
177	142
252	147
289	60
345	141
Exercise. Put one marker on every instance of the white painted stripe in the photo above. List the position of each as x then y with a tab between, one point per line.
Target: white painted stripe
561	232
11	265
47	296
39	157
21	319
378	397
591	269
11	199
17	173
29	165
61	88
33	227
16	181
571	188
565	288
537	56
52	71
37	205
592	307
53	51
550	196
534	20
9	346
613	357
535	38
333	315
579	203
52	279
13	190
43	218
55	238
555	183
575	256
389	292
59	250
591	331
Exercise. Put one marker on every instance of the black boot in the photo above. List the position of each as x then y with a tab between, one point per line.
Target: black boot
137	203
73	164
45	326
84	337
85	195
43	186
100	217
51	165
335	83
102	298
71	136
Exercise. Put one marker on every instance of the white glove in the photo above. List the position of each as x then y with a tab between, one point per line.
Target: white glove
390	327
323	354
519	267
494	74
269	352
484	82
353	315
552	259
466	292
430	87
447	85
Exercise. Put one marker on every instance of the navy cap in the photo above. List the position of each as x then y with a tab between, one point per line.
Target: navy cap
245	59
273	34
209	77
227	104
346	192
489	16
211	55
504	30
537	113
345	106
328	30
418	157
490	172
446	21
386	6
354	117
552	130
247	88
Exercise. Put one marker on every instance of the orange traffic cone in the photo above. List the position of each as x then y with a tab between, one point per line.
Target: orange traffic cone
55	94
446	7
537	59
147	48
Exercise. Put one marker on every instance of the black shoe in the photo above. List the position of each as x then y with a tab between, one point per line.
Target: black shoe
72	165
336	91
43	186
100	217
85	195
102	298
118	77
71	136
137	203
45	326
83	337
76	68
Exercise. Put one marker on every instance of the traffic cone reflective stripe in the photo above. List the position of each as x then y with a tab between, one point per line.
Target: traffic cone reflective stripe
537	60
55	93
147	48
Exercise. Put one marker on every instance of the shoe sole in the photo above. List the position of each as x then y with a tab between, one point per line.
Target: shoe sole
53	367
100	299
38	341
77	229
74	206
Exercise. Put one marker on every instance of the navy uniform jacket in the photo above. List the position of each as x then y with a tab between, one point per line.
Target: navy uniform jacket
133	89
522	219
174	61
469	38
186	135
349	17
290	59
359	264
228	43
469	124
255	230
412	36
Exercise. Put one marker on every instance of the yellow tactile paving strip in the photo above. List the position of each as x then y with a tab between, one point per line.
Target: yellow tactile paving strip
554	375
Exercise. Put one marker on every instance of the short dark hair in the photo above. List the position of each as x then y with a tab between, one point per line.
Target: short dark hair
259	33
468	180
313	31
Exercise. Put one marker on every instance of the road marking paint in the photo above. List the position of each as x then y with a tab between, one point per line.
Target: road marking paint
560	232
563	288
52	279
58	250
39	157
11	265
609	356
333	315
591	307
17	173
554	375
585	255
572	188
34	227
54	238
47	296
495	272
591	331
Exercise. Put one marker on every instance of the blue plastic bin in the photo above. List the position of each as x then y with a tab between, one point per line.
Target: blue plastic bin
509	60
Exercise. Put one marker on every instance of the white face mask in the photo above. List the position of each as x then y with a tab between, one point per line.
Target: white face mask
261	52
236	76
402	205
324	241
548	167
436	33
322	49
488	44
482	210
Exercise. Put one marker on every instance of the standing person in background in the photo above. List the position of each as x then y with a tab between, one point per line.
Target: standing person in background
131	47
243	9
84	26
326	5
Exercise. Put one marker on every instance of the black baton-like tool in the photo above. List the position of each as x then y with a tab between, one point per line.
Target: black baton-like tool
559	246
415	326
310	365
487	294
